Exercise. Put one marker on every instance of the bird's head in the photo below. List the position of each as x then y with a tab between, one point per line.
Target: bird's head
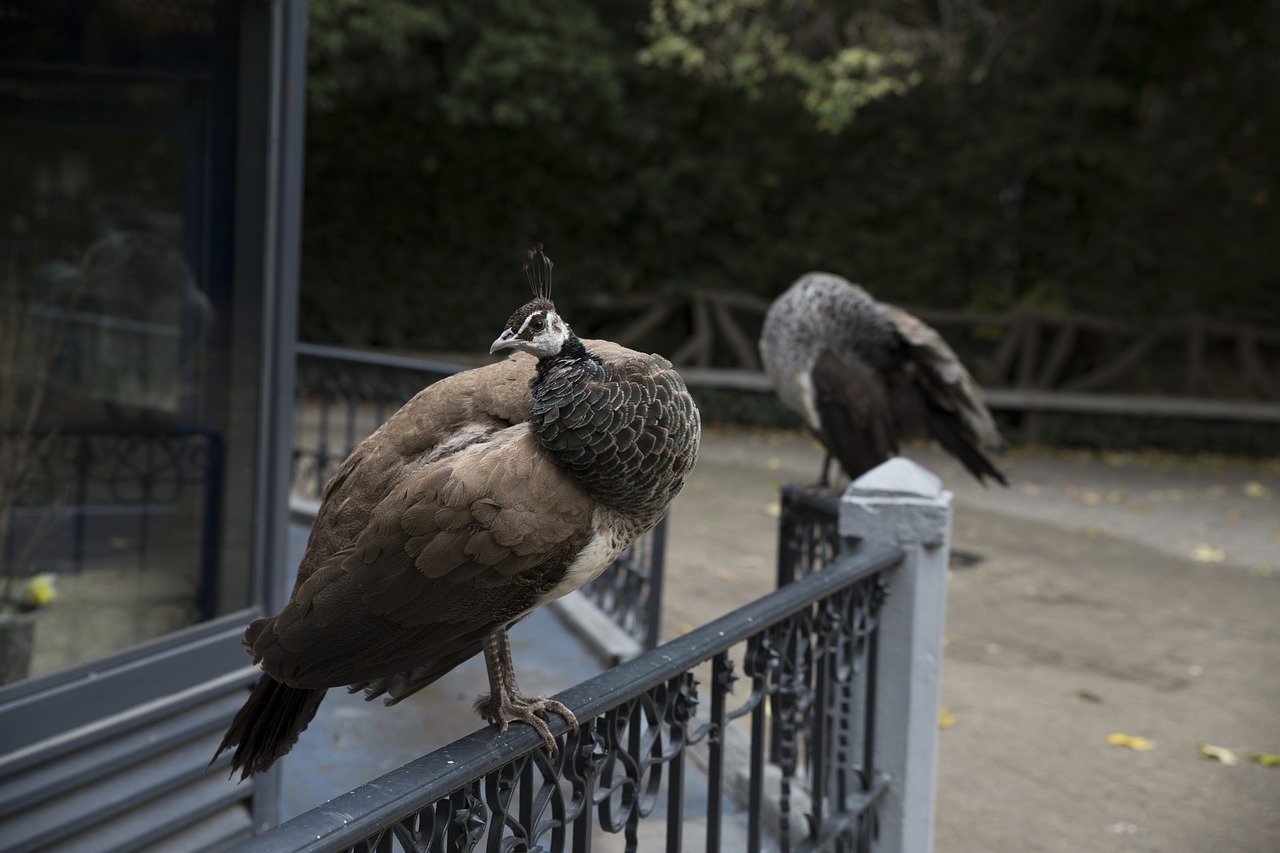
535	327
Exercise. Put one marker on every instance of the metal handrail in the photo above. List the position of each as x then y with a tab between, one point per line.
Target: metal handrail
447	797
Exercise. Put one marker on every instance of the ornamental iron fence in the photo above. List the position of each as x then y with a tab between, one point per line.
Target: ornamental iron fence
832	746
807	654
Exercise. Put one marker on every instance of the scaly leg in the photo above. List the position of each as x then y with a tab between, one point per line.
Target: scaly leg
505	702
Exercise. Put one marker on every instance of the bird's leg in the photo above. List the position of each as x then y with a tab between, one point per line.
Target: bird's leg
825	480
505	702
823	486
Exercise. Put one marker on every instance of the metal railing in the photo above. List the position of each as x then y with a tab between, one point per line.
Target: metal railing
343	395
808	656
807	534
92	484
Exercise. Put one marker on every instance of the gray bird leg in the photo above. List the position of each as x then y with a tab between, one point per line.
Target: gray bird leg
505	702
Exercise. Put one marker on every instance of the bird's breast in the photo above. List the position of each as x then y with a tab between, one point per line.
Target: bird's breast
611	537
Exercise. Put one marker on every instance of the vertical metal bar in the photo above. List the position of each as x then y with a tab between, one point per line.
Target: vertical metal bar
675	790
755	785
631	795
322	439
211	523
657	571
715	750
353	407
786	529
527	788
583	825
869	726
820	717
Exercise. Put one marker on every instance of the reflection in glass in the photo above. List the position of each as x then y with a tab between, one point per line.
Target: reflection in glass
111	449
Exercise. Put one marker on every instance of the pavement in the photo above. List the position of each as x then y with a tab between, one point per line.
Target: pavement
1127	594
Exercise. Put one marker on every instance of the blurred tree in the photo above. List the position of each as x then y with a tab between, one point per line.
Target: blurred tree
1100	155
837	56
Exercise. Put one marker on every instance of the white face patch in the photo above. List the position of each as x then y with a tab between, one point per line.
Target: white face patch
542	333
531	324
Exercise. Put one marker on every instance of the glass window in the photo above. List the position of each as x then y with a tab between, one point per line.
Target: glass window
115	381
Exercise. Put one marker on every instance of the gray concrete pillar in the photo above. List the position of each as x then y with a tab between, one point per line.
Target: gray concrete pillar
901	503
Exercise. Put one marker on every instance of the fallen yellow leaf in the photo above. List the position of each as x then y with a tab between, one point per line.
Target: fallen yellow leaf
773	463
1221	753
773	510
946	719
1137	742
1257	490
1266	759
724	575
1208	554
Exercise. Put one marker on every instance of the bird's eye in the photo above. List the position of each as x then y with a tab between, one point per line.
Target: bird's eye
537	324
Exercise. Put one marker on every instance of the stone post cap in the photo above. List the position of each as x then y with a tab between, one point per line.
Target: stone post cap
897	476
897	503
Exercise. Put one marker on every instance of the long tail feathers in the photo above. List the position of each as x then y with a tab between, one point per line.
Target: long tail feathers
268	725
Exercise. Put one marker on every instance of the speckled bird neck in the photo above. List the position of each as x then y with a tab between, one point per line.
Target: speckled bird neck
626	431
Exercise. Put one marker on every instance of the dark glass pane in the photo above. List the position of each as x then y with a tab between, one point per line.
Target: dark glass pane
113	385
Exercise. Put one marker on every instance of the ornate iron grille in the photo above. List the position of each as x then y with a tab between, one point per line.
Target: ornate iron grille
810	645
132	480
808	541
343	395
808	538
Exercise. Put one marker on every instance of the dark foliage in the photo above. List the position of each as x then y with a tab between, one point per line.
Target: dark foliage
1110	157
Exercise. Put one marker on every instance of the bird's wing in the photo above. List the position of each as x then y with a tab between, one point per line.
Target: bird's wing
857	424
461	546
951	403
443	418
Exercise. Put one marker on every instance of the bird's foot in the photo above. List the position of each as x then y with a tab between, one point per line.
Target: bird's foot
534	710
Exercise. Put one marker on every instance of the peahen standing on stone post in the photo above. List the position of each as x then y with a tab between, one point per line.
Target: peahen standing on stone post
864	374
488	494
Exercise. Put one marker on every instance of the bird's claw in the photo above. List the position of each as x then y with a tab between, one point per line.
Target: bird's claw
534	710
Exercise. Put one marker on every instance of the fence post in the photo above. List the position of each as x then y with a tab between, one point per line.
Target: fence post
901	503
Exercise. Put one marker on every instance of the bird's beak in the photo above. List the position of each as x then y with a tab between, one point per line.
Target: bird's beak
506	340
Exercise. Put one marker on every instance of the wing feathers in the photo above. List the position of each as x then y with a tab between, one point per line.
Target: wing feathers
854	412
496	516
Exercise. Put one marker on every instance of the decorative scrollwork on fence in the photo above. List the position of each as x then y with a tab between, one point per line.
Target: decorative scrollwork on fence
807	655
807	535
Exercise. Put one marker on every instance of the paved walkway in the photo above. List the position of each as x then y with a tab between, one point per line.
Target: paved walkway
1099	606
